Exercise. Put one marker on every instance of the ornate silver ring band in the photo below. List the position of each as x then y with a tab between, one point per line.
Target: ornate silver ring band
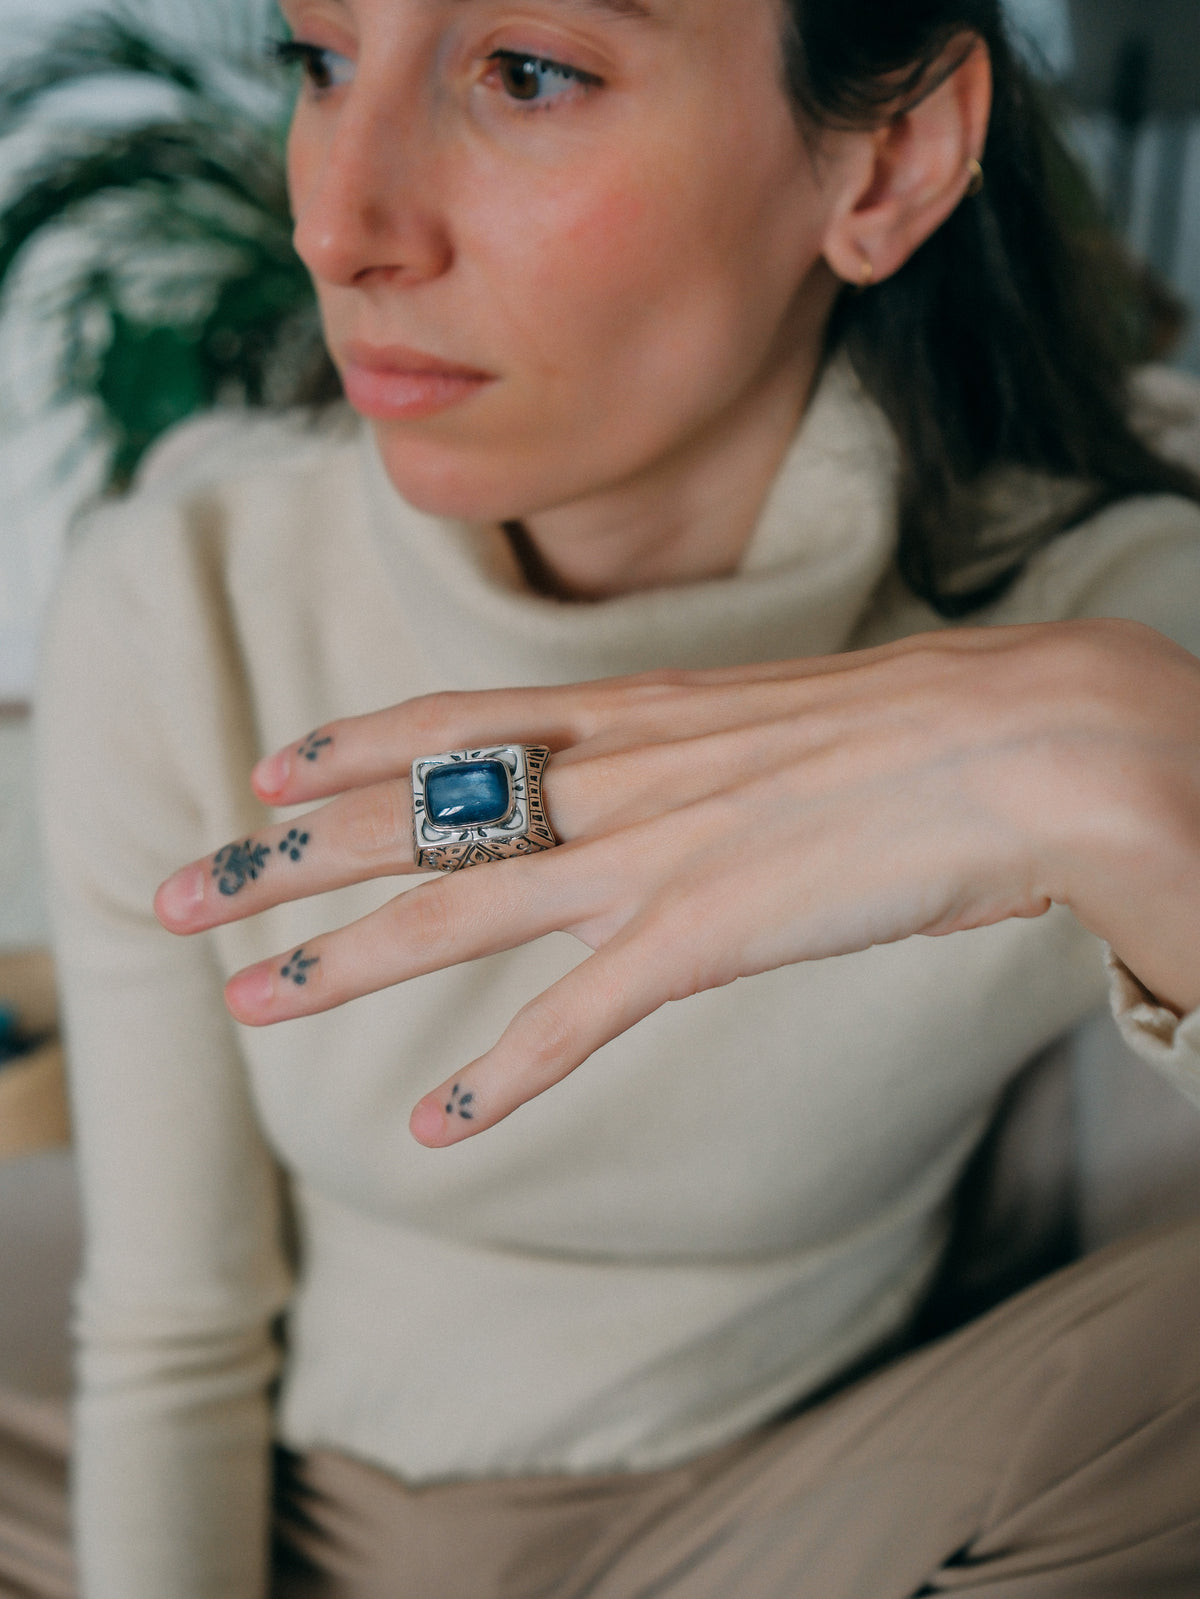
474	806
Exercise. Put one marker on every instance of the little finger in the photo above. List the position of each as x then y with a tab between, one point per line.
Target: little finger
601	998
383	744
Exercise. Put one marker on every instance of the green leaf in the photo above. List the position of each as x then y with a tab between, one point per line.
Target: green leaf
181	290
150	378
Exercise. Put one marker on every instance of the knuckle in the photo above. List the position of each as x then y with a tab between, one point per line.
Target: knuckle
433	922
545	1036
604	708
380	823
1085	660
435	715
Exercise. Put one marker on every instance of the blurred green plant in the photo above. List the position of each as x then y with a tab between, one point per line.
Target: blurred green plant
152	242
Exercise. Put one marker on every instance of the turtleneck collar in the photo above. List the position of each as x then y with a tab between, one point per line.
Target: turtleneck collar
825	538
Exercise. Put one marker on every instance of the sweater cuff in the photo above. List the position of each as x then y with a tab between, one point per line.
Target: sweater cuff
1154	1032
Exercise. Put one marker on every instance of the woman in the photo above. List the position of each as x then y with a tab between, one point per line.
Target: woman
673	321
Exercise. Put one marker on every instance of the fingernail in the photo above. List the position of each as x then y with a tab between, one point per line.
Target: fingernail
427	1123
180	895
271	774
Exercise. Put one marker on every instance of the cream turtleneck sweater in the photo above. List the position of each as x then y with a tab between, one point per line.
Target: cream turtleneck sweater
721	1211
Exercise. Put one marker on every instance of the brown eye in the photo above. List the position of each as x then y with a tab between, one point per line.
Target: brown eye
519	75
533	79
324	69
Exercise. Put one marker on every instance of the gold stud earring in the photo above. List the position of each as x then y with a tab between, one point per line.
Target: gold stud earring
866	275
977	180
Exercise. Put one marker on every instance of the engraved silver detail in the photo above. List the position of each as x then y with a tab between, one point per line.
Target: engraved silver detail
524	831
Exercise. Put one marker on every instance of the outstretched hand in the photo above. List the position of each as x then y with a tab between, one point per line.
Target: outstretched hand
719	824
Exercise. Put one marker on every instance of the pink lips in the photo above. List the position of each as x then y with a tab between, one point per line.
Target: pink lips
393	383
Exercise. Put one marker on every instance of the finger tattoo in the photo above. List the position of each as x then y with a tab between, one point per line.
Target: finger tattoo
298	967
461	1104
310	749
239	864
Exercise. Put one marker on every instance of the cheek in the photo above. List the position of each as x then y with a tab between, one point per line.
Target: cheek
593	274
654	274
609	227
588	260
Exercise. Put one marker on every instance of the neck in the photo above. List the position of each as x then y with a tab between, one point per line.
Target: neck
687	519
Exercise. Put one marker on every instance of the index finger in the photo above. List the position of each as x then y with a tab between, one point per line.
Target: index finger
360	750
649	706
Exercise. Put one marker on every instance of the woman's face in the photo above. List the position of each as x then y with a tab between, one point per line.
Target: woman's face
557	243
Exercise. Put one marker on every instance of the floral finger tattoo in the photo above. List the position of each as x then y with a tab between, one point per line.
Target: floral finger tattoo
239	864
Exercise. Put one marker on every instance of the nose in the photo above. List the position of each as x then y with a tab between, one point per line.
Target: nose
362	196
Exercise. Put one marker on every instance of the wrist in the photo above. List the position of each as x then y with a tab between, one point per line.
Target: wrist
1125	858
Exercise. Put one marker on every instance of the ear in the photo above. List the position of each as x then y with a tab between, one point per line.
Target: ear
914	171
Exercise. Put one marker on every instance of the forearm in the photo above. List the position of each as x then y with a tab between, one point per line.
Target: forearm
185	1271
172	1493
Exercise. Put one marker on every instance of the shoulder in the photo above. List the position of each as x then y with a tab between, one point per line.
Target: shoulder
190	624
1138	558
221	552
218	504
208	478
224	447
1166	411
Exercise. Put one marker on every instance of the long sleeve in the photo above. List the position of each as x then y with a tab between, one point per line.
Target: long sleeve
1145	559
1159	1036
185	1270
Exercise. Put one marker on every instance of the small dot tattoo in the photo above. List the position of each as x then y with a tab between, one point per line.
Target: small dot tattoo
294	844
460	1104
298	967
312	746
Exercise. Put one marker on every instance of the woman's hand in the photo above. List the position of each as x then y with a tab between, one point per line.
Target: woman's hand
719	824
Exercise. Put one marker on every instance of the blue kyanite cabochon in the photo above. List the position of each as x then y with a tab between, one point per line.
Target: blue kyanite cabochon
468	794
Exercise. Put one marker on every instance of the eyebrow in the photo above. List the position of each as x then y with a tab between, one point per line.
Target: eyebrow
620	8
617	8
639	10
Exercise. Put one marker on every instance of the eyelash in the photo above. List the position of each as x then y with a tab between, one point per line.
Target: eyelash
313	59
521	58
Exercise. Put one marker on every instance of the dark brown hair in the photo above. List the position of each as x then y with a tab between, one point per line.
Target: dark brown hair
1004	341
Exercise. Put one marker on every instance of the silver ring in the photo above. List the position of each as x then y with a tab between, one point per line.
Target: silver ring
474	806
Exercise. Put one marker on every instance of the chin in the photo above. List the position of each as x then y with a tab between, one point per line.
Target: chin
457	483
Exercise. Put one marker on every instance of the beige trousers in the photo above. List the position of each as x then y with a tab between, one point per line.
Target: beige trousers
1050	1450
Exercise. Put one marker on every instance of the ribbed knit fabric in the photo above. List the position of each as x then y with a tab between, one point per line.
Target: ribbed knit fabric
723	1209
